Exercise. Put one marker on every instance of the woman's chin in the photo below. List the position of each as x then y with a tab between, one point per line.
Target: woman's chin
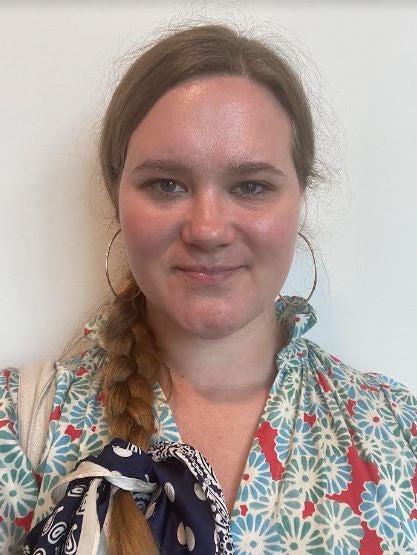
205	318
217	323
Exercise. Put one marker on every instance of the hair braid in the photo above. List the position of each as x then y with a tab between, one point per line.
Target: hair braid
129	377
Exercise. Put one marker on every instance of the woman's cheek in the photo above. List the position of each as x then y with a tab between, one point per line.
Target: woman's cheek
144	241
277	230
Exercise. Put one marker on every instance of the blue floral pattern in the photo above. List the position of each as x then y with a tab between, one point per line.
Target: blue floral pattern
332	469
340	526
379	511
254	534
256	479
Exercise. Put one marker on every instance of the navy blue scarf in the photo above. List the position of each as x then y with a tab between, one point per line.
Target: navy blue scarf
173	484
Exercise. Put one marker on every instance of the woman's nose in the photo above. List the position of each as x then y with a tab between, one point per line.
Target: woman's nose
208	222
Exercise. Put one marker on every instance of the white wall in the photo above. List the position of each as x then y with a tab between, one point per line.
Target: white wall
58	65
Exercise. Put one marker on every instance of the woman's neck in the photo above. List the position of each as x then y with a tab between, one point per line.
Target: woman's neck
238	366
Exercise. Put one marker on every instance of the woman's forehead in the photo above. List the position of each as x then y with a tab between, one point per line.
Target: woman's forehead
220	116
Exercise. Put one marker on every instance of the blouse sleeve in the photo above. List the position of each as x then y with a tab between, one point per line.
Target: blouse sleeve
18	485
402	404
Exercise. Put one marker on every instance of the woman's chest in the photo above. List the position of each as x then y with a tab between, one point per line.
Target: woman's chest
226	444
228	457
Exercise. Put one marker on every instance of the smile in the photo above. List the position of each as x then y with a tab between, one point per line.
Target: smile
209	275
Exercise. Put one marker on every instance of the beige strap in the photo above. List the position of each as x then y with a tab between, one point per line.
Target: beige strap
35	397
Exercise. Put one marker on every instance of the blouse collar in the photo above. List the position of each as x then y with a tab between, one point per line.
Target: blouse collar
297	320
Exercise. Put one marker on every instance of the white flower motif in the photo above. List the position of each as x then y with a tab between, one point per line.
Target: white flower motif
399	488
256	477
398	545
370	421
333	436
339	526
288	500
378	509
279	411
18	492
399	454
254	535
307	474
297	536
338	475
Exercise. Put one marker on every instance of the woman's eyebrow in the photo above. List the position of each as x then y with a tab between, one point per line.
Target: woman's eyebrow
253	167
178	166
166	165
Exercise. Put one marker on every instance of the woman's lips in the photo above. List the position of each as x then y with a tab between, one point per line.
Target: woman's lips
209	274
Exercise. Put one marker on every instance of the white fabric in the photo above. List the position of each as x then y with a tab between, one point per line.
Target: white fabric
35	398
92	541
90	532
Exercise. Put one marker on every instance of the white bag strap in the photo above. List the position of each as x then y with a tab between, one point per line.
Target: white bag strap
35	398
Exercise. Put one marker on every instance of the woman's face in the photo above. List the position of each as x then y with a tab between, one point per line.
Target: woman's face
209	205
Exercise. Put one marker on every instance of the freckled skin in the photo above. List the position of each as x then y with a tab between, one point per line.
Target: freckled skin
207	123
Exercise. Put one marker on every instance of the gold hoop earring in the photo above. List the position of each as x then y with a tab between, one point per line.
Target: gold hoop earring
304	301
115	293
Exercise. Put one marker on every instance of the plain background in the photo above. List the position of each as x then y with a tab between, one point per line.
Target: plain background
59	64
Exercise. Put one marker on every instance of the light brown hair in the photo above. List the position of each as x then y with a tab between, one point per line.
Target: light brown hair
133	361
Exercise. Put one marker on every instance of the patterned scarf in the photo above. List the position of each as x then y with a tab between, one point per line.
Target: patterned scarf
173	484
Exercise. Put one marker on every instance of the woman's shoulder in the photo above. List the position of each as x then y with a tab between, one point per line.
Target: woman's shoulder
354	380
78	368
78	385
375	405
50	394
83	365
25	391
340	375
80	363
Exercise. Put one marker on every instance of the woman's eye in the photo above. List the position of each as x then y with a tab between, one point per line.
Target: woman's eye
250	189
172	188
165	187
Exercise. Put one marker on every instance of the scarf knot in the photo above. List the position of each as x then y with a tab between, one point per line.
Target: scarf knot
173	485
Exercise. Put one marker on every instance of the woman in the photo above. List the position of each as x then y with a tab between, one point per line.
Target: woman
198	400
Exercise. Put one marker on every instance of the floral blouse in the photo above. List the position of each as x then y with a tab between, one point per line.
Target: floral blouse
332	468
